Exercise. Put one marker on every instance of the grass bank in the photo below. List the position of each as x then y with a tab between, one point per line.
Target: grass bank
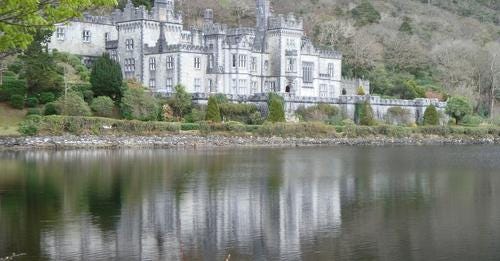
60	125
10	119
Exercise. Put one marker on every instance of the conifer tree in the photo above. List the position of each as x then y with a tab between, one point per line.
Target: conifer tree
106	78
276	110
431	116
213	110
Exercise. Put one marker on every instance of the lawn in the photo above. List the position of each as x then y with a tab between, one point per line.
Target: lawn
9	119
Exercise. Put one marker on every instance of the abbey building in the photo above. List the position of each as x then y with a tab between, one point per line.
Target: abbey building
154	48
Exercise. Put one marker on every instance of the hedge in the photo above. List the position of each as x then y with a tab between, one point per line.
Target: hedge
59	125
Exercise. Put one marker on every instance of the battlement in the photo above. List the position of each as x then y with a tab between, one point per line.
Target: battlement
130	12
88	18
329	54
241	31
286	22
216	28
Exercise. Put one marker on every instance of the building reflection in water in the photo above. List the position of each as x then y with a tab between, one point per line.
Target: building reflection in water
256	204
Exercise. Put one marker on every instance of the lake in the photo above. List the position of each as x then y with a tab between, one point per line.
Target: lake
337	203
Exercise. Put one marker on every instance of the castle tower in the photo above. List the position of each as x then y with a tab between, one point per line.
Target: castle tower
263	13
164	8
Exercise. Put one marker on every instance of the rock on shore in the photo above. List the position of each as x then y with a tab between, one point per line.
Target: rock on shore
195	141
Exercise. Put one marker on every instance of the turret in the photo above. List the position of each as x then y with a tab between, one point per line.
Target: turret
263	13
208	16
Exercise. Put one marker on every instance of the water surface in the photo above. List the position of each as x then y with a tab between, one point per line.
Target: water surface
341	203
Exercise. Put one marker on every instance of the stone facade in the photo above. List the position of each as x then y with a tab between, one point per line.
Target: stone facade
243	63
154	48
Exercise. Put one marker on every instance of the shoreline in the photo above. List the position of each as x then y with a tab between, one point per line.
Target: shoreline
184	141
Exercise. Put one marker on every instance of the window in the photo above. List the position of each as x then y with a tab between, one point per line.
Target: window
197	85
331	91
106	37
86	36
211	86
152	64
113	55
170	62
197	62
235	58
152	83
242	87
253	64
308	72
291	65
211	61
291	43
243	61
270	86
331	70
130	65
266	65
234	86
253	87
323	91
61	34
129	44
170	85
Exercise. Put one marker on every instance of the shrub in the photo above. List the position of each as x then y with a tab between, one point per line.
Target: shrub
320	112
241	112
303	129
180	102
29	126
364	114
196	115
458	108
398	116
17	101
471	120
58	125
46	97
72	104
33	111
12	86
431	116
137	104
190	126
167	113
360	91
213	111
32	102
88	96
50	109
276	110
102	106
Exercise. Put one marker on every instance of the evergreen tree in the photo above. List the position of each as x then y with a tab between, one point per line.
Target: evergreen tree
365	14
213	110
41	70
276	110
365	113
431	116
106	78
